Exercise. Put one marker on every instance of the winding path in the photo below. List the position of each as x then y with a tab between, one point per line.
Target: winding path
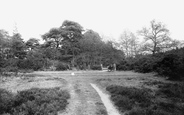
111	110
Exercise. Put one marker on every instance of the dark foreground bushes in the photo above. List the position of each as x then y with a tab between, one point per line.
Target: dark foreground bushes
33	102
173	91
128	98
172	66
168	100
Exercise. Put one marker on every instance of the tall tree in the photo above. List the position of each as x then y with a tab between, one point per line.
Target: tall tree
129	44
156	37
18	47
54	37
65	38
4	47
94	51
91	48
32	43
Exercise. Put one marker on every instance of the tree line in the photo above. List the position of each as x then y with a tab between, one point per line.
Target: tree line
66	47
157	52
70	46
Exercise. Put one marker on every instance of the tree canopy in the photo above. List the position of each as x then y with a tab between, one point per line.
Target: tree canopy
70	46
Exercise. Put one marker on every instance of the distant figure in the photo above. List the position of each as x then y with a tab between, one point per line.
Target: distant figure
101	66
114	66
110	68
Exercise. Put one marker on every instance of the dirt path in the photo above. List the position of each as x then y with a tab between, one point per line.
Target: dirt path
84	98
111	110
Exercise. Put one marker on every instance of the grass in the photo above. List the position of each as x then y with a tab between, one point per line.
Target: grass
168	100
127	98
33	101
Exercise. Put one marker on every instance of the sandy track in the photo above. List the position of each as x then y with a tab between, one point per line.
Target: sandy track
84	99
111	110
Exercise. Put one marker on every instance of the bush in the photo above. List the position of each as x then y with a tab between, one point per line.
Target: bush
169	64
123	65
172	66
149	111
61	66
34	101
6	101
168	100
96	67
172	91
126	98
145	64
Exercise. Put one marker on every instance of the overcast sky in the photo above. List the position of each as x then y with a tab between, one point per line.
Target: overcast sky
107	17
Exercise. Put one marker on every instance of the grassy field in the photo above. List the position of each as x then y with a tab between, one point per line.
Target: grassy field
66	94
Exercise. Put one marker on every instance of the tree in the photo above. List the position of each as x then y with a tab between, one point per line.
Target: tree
156	37
4	43
54	37
32	43
129	44
94	51
91	48
65	38
18	48
4	47
72	35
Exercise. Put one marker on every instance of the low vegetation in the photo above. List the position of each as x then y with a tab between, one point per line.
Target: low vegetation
167	100
169	64
33	101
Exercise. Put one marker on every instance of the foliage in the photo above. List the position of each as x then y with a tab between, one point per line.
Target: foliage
156	37
61	66
94	51
145	64
123	65
134	101
65	38
96	67
32	43
34	60
70	45
6	101
169	64
126	98
18	46
172	66
34	101
129	44
175	91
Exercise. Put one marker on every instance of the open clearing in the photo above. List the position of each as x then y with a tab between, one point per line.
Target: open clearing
84	98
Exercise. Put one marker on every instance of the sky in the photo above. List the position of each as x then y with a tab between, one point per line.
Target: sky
109	18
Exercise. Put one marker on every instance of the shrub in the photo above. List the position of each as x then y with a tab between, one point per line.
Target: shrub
6	101
123	65
34	101
145	64
61	66
126	98
123	102
96	67
148	111
172	66
172	91
141	101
